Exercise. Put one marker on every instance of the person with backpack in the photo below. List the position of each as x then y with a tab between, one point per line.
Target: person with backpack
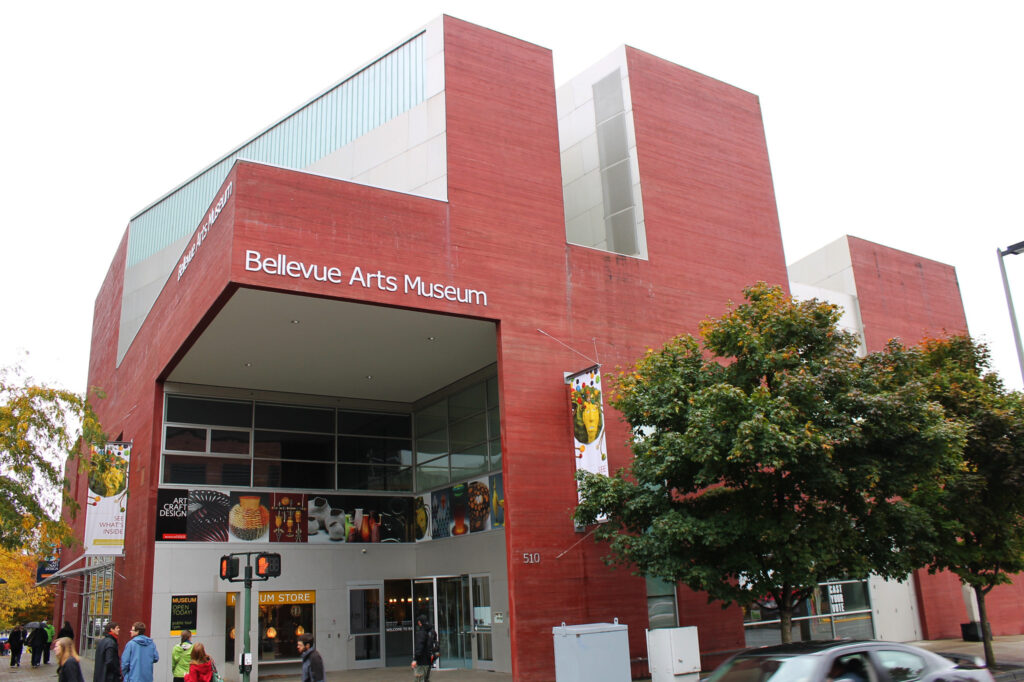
426	649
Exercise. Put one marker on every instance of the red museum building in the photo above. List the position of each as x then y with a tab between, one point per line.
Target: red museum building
347	342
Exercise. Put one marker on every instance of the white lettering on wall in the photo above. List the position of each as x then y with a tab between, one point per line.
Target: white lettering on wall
204	229
282	266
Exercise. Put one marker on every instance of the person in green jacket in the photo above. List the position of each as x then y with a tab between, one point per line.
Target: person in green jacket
49	642
181	656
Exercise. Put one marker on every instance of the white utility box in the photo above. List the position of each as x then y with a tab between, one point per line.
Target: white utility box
595	651
673	654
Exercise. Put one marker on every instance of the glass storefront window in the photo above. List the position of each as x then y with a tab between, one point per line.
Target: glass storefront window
189	410
191	469
97	596
282	621
233	443
839	608
277	474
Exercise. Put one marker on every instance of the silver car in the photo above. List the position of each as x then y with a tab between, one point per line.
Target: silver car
848	661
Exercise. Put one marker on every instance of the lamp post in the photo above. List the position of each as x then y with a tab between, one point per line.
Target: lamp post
1013	250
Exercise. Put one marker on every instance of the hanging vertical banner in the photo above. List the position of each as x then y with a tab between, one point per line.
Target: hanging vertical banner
108	496
587	410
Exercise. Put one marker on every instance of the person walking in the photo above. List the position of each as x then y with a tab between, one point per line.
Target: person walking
16	640
200	665
424	649
181	656
108	661
66	631
69	668
312	664
37	644
139	656
48	629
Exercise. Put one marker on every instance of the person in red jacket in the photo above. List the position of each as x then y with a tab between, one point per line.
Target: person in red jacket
201	668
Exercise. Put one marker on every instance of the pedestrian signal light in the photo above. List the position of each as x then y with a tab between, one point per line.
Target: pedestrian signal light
268	565
228	567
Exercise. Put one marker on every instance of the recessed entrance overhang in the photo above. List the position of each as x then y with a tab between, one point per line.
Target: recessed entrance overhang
272	341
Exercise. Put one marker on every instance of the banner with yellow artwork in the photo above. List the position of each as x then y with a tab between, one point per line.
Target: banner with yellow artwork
108	497
587	411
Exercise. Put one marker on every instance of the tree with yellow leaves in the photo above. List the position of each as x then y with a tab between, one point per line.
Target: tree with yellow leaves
20	600
41	428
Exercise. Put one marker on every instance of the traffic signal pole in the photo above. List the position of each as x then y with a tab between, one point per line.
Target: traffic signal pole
268	565
245	664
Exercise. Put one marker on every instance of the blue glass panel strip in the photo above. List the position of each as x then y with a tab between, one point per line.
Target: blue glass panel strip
366	100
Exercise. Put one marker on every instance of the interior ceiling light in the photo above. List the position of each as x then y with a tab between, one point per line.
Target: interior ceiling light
296	321
431	338
369	376
248	364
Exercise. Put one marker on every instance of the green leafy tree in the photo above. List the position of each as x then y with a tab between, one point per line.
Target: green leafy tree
41	428
981	534
772	458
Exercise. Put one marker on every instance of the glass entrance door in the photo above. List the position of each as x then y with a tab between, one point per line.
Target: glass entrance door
464	622
453	622
365	610
480	594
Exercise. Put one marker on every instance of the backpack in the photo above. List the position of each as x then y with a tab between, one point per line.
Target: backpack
435	647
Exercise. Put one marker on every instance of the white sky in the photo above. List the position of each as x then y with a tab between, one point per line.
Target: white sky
898	122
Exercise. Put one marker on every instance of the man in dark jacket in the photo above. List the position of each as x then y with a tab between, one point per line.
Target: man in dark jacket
424	650
37	642
312	664
108	661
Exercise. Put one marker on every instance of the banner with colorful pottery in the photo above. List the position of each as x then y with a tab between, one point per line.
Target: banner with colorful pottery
108	496
586	408
206	515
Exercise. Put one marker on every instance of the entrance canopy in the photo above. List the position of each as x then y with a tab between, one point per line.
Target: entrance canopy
263	340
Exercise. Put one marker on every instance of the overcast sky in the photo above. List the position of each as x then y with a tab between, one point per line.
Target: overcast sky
898	122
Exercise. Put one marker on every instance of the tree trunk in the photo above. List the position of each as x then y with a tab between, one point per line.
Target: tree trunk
986	635
786	623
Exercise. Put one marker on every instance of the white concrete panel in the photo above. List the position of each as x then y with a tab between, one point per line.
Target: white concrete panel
829	266
436	114
188	568
435	189
591	155
895	609
419	126
572	164
143	283
437	157
434	75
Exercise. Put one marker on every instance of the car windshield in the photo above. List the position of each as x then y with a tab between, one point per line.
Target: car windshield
765	668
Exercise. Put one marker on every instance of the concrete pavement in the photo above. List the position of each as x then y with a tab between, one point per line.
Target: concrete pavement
1009	651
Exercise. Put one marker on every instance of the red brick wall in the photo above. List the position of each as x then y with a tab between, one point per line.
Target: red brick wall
904	296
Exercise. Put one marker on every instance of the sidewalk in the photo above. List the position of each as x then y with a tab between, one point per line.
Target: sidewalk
48	673
1009	651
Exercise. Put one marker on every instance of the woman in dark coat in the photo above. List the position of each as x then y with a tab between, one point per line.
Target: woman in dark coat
68	668
37	642
16	640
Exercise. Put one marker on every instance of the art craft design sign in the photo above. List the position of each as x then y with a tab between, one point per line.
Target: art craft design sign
44	569
107	499
281	265
184	612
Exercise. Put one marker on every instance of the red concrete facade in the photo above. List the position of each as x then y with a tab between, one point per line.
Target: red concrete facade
904	296
711	229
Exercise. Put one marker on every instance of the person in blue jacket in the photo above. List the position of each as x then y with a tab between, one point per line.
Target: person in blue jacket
139	656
